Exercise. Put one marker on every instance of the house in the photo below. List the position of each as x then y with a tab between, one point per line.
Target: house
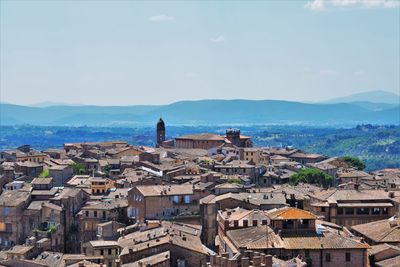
306	158
239	167
210	205
29	168
60	174
109	250
380	232
180	240
96	212
101	185
384	255
23	154
294	233
109	230
42	183
72	200
352	207
163	201
12	205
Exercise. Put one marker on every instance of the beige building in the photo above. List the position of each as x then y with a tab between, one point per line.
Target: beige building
163	201
12	205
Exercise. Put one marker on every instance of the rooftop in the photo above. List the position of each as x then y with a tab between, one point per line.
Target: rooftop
383	231
157	190
290	213
202	137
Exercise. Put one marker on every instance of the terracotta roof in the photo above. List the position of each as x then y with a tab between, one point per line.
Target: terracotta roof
290	213
103	243
42	180
327	240
150	261
13	198
380	231
158	190
255	238
392	262
203	136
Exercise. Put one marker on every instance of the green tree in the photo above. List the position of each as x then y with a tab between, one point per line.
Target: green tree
354	162
78	168
107	170
311	176
234	181
44	173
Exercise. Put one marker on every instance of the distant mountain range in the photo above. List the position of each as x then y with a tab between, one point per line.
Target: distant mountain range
209	112
378	96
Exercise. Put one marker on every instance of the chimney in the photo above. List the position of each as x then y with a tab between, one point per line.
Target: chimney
245	262
232	263
256	261
268	261
224	261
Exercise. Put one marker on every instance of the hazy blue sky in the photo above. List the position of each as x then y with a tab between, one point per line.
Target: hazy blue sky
130	52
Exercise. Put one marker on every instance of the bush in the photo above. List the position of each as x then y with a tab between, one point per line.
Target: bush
78	168
311	176
234	181
354	162
44	173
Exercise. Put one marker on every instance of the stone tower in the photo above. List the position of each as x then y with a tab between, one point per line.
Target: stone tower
160	133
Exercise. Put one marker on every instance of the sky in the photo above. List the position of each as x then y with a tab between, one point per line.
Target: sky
132	52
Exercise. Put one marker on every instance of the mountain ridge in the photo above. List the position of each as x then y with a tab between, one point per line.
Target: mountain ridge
206	112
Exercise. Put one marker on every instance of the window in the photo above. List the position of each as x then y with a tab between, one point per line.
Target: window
2	227
385	211
349	211
109	251
327	257
6	211
323	209
104	215
348	256
95	214
376	211
87	213
340	211
101	252
187	199
175	199
307	253
362	211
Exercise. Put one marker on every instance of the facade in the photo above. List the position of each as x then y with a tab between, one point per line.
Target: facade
101	185
209	140
292	233
95	213
163	201
351	207
211	204
108	250
12	205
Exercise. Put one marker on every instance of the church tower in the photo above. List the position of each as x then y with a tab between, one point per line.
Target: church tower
160	133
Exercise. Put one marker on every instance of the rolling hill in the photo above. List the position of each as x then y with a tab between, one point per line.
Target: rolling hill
204	112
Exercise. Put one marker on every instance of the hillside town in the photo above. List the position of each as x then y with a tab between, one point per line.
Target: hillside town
194	200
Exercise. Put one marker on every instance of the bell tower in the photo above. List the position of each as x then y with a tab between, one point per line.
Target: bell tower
160	132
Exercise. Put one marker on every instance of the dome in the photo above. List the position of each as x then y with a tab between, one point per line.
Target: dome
160	125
